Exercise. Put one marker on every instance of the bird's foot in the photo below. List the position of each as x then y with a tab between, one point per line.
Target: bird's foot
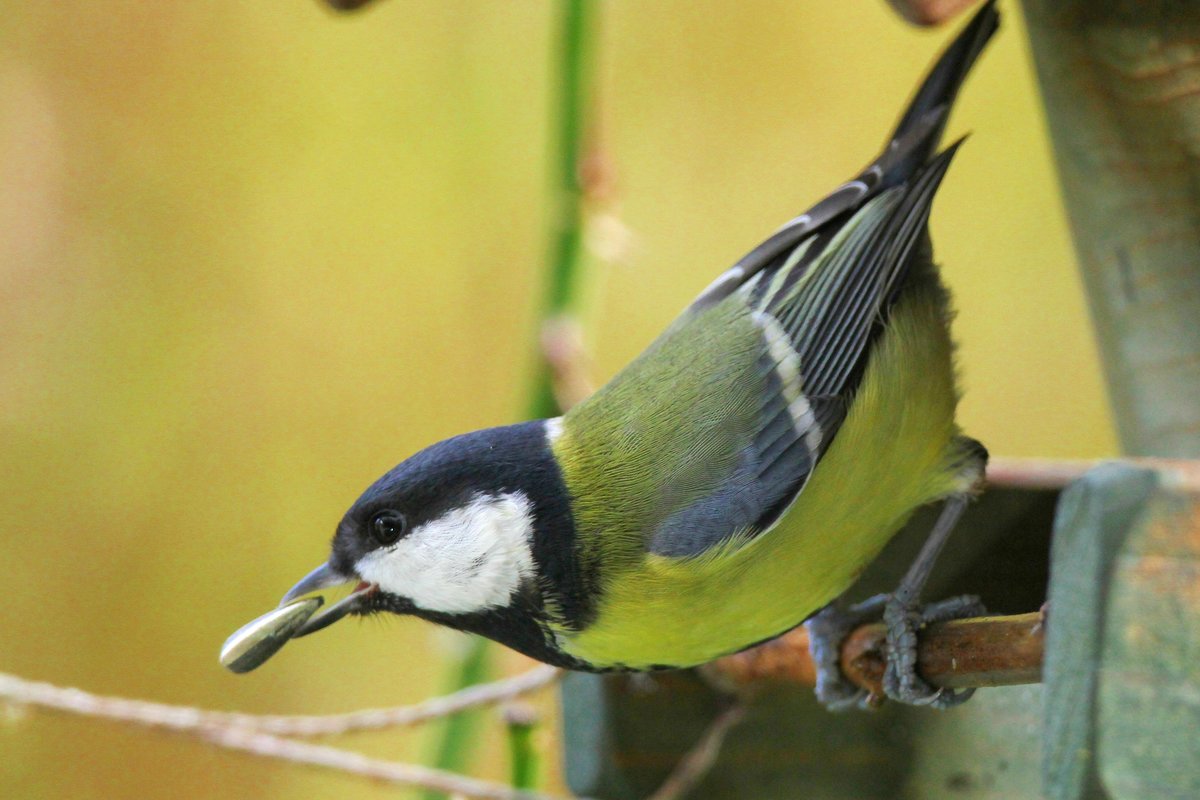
903	619
827	629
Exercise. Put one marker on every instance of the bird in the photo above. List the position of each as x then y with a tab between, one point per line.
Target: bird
732	481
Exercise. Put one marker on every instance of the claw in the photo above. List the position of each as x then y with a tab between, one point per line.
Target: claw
827	629
900	680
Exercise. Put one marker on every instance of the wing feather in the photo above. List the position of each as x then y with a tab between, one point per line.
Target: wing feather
800	313
816	336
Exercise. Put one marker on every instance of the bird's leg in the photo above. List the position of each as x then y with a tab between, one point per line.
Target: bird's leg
903	614
827	629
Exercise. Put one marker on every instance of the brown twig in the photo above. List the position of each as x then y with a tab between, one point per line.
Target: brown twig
1035	473
692	768
929	12
568	361
188	719
247	732
318	755
984	651
1048	473
346	5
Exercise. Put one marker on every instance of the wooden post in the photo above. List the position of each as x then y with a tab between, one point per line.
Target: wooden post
1120	80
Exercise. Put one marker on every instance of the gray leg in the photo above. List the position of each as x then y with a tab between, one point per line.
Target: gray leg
903	614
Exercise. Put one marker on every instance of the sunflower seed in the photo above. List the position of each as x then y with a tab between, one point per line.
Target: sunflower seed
258	640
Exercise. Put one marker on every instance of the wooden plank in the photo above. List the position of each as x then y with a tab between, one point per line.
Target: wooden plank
1148	720
624	735
1094	515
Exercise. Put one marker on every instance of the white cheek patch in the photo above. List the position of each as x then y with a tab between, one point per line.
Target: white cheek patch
470	559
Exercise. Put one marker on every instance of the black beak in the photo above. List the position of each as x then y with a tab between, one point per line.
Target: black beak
325	577
258	640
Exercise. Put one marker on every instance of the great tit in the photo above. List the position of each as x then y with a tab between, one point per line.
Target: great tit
729	483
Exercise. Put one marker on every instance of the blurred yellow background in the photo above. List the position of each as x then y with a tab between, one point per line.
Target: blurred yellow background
254	254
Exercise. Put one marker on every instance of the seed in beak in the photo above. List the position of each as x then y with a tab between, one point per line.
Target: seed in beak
258	640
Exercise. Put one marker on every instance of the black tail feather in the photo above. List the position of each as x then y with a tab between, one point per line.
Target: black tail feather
937	93
911	146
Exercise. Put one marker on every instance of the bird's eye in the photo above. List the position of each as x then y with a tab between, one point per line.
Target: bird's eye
388	526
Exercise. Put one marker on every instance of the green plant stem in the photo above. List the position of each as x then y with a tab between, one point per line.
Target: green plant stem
457	733
568	192
563	270
523	759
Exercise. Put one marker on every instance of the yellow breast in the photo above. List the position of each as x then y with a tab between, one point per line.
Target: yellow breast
894	453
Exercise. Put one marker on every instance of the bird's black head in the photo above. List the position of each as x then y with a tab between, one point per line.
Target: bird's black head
474	532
